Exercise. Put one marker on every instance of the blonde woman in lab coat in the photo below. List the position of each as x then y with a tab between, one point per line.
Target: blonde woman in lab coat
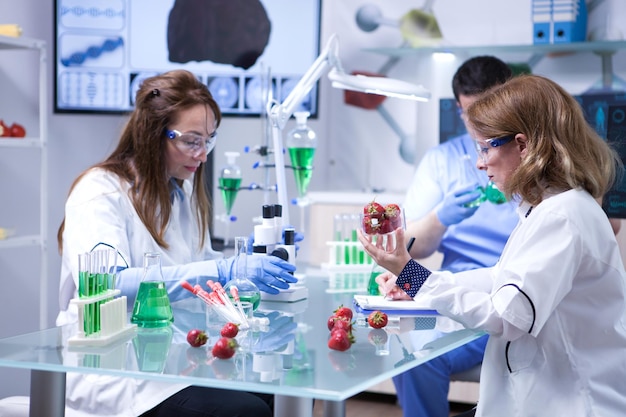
555	303
150	195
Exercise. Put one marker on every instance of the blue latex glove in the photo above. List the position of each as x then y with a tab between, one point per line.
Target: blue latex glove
269	273
453	210
281	331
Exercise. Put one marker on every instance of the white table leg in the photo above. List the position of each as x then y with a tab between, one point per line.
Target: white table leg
47	394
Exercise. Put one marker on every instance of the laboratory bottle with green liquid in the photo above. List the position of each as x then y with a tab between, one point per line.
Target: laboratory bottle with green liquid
152	306
230	180
301	143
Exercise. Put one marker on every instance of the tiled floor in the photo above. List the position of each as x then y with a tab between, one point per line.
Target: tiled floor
376	405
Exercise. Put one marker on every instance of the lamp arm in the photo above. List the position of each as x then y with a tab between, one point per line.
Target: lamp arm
280	113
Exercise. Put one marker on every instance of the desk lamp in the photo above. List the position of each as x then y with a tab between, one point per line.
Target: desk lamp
279	113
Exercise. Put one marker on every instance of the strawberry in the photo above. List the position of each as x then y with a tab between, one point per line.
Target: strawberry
230	330
17	131
340	340
342	323
373	209
224	348
343	312
332	321
371	225
394	215
377	319
196	337
392	210
386	227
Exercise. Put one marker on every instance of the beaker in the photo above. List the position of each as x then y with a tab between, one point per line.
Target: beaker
152	306
248	291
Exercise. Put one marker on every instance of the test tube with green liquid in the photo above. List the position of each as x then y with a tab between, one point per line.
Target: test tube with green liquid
85	289
337	236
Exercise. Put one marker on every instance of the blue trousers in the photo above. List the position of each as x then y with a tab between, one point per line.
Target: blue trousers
423	390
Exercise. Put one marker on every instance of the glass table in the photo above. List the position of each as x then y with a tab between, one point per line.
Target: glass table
289	358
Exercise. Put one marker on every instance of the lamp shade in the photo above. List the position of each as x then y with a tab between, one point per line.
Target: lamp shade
378	85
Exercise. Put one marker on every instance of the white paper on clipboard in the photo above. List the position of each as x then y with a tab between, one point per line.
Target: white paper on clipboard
379	302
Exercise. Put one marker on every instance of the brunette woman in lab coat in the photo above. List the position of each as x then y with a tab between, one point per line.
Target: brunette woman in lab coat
555	303
150	195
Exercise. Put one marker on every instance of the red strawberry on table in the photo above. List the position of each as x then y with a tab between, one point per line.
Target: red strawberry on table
197	337
377	319
343	311
229	330
339	340
224	348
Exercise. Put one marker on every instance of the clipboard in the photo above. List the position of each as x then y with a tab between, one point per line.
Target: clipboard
367	303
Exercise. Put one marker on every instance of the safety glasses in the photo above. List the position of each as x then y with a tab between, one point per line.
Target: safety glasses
191	143
483	151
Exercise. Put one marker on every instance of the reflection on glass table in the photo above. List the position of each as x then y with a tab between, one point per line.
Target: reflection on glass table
289	357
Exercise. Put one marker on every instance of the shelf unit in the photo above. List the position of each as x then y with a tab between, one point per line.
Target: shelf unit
605	49
39	143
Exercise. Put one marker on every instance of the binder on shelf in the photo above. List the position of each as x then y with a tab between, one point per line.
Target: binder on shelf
559	21
542	21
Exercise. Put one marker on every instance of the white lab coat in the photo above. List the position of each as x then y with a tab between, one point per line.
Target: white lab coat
99	211
555	309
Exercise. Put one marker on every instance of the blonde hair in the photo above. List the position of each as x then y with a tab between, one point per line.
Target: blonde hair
563	151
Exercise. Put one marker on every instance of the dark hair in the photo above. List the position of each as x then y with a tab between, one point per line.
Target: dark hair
478	74
139	157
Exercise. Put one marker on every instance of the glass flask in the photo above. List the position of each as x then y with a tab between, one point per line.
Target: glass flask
152	306
372	285
471	173
230	180
301	143
246	289
493	194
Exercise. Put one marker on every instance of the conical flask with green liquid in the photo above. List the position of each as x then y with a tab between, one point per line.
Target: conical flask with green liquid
301	143
152	305
230	180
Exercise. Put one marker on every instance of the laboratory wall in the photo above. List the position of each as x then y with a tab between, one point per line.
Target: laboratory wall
358	149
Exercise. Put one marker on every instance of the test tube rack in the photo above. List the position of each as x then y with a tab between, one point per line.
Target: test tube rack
113	319
346	255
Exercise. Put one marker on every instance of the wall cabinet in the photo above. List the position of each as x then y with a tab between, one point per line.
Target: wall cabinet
35	142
